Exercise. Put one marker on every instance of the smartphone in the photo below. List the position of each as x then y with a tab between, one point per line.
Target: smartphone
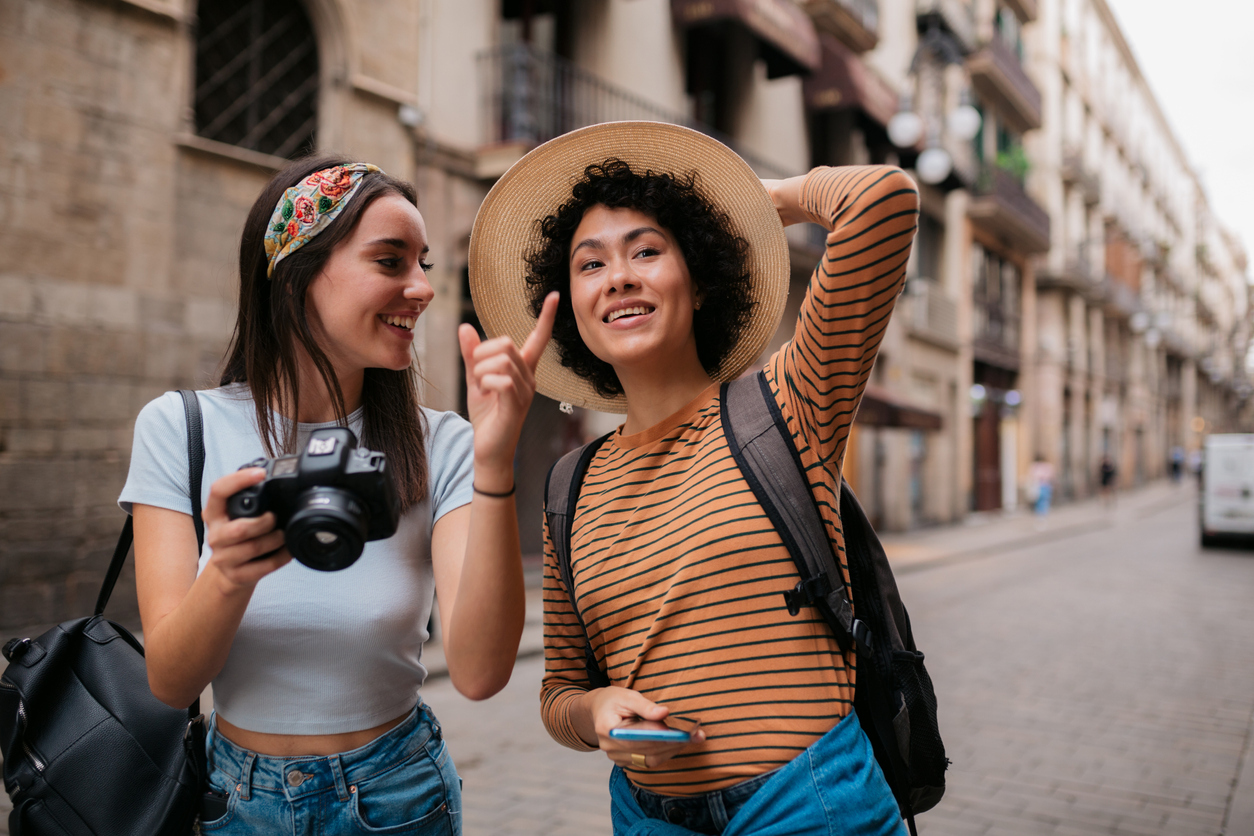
662	735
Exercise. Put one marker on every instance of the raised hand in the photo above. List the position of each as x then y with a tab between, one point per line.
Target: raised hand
500	383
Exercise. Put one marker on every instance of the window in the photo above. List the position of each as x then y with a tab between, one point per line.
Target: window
256	75
995	292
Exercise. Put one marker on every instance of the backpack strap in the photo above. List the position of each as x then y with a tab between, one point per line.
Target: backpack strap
195	460
561	495
195	473
762	446
196	468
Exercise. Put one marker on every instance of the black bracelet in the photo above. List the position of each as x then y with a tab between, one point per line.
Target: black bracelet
505	495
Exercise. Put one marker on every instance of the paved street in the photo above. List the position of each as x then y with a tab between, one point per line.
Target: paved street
1095	673
1101	682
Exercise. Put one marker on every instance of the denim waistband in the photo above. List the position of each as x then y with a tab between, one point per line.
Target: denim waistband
706	812
299	776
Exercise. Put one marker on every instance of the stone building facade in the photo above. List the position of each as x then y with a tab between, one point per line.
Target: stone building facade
1069	291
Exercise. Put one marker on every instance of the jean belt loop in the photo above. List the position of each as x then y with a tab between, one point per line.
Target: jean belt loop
337	769
246	776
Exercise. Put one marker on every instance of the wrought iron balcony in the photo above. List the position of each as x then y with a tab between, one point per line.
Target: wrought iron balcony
1120	299
1077	274
995	332
855	22
1002	207
1024	9
954	16
997	75
1076	174
932	315
530	97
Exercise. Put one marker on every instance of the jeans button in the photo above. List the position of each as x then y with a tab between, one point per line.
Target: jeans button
676	815
295	778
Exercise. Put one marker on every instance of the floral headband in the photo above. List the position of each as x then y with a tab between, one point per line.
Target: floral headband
306	208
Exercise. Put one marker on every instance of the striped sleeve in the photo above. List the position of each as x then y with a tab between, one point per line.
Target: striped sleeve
565	678
871	213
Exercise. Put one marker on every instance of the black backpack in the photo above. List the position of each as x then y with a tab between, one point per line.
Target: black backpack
894	698
88	750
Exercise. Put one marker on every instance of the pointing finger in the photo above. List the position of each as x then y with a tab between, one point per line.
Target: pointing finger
468	340
539	337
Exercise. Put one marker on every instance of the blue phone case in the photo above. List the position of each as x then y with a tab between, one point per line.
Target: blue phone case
663	735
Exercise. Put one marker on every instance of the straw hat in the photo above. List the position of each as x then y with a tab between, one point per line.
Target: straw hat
507	228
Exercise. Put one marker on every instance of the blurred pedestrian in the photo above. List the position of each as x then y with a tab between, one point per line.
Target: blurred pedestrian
1041	484
1177	463
672	264
1106	476
316	674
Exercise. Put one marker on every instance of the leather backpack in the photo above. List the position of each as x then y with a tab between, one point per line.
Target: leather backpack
88	750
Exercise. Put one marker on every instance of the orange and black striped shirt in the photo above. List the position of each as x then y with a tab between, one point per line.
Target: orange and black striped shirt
677	570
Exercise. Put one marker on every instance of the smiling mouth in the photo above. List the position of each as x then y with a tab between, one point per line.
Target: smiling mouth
406	322
639	310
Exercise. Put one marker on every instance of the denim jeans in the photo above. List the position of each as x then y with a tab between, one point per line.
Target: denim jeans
833	788
402	782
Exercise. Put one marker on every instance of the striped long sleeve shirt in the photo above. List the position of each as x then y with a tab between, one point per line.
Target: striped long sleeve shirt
677	570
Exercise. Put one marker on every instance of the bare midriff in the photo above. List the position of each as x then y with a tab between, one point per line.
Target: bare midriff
301	745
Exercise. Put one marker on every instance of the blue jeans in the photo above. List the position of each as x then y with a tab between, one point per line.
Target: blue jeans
1043	497
401	782
833	788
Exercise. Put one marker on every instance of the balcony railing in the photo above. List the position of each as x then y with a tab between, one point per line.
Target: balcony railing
1120	299
933	316
956	16
998	76
855	22
1076	274
1002	207
1078	175
995	328
1024	9
530	97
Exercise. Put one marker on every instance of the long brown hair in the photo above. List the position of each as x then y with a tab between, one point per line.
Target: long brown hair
272	322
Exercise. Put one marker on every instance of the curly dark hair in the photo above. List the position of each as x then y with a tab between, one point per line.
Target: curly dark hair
716	258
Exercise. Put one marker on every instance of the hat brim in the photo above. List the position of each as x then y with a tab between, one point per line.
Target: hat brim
507	228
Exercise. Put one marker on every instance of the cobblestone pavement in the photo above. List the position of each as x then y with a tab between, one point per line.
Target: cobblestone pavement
1100	682
1095	673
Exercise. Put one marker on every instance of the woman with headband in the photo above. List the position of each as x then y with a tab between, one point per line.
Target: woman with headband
319	726
673	268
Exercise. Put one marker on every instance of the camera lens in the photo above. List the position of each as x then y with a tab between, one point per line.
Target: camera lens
327	531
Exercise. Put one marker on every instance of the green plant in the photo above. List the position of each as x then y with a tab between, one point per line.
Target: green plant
1014	161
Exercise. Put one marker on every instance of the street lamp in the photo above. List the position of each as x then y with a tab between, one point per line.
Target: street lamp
963	123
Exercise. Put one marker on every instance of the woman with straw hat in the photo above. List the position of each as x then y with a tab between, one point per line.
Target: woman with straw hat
673	268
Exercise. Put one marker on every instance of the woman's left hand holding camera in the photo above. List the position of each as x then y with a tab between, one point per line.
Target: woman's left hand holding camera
247	549
474	549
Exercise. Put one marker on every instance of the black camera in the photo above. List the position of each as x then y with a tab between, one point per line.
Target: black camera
331	498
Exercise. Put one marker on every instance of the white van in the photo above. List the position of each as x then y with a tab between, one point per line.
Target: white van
1227	491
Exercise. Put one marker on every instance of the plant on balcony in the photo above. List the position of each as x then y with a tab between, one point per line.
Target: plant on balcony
1014	161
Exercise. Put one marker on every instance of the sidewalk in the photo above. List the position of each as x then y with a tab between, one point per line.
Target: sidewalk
996	532
980	535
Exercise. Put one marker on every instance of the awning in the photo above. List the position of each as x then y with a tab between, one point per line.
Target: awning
780	24
843	81
882	408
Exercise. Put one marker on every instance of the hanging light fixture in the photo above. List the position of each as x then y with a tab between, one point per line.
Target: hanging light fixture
905	129
934	164
964	121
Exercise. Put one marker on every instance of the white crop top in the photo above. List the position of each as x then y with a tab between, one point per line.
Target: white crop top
316	652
